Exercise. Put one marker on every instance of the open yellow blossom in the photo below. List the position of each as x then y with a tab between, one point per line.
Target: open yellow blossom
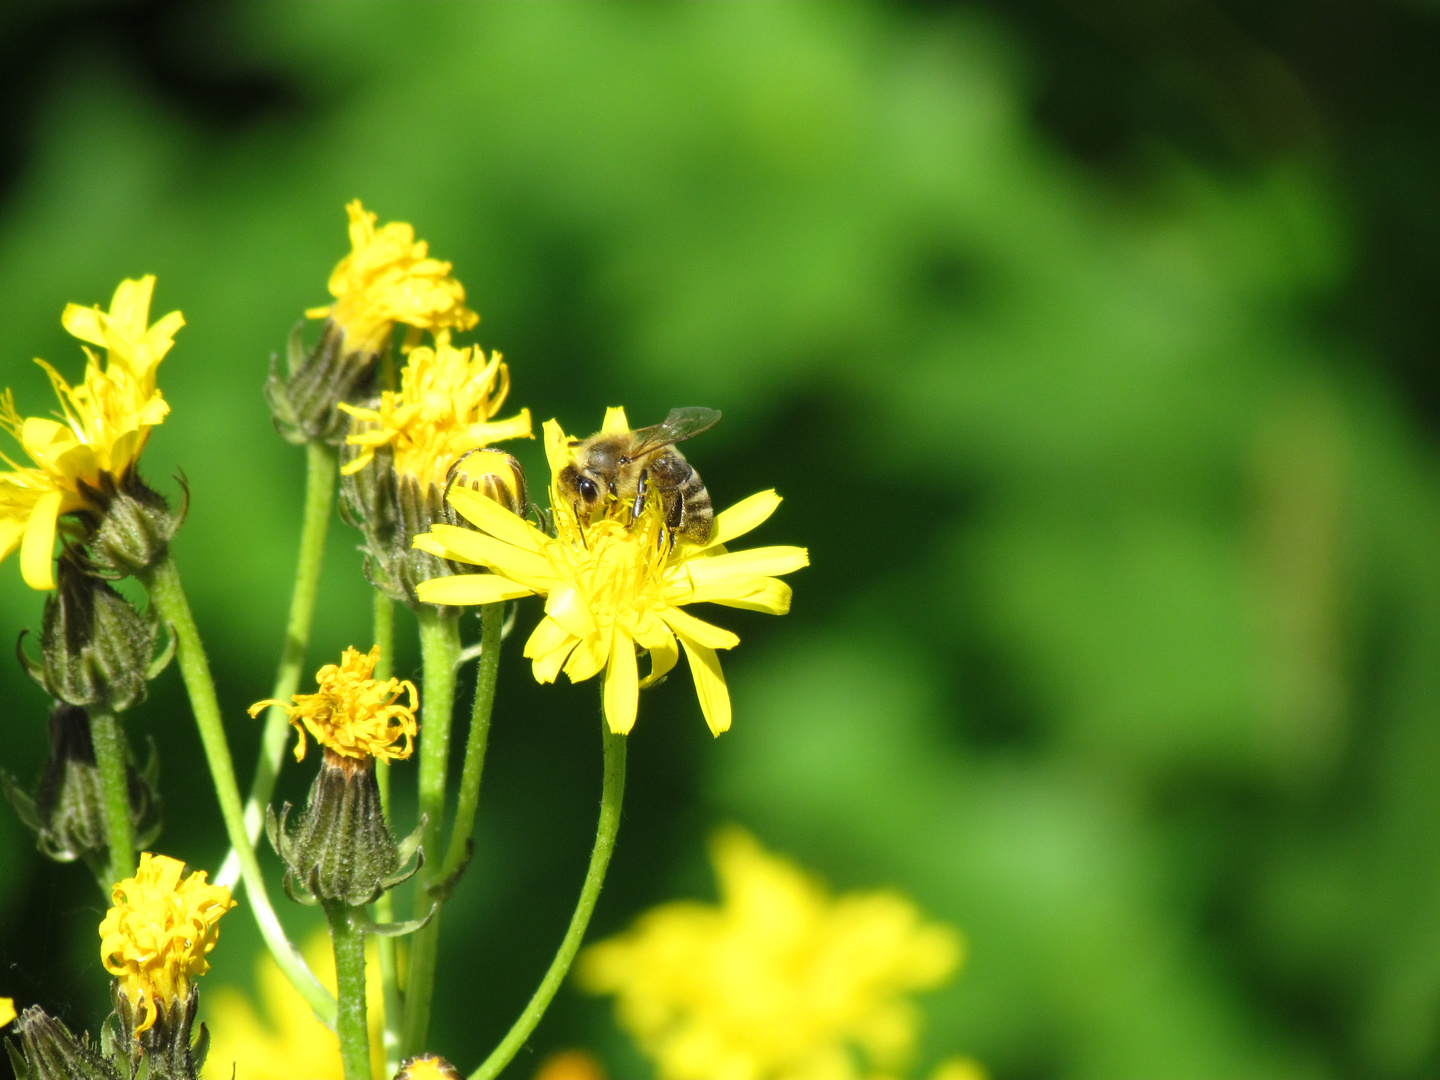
612	585
780	981
106	420
285	1041
389	278
444	408
351	714
156	935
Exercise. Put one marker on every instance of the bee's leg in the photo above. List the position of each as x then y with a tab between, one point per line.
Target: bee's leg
641	490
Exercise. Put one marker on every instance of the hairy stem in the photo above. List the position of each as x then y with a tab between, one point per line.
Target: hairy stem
320	460
168	595
384	617
611	796
110	758
492	617
347	935
439	649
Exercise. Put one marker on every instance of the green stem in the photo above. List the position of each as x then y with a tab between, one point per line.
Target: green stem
492	617
110	757
439	650
320	471
347	935
168	595
611	795
384	615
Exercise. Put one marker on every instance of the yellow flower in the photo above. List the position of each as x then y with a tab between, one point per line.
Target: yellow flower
427	1067
288	1042
107	419
779	982
158	932
7	1011
353	715
613	584
389	278
447	397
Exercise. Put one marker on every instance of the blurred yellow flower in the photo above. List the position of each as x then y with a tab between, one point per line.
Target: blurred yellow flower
447	397
158	931
352	714
779	982
613	585
287	1042
388	277
107	420
7	1011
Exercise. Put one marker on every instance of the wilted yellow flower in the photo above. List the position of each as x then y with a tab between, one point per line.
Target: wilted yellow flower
7	1011
107	419
447	397
613	585
388	277
779	982
353	715
283	1040
158	931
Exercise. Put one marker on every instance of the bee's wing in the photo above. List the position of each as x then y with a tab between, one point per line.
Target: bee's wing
680	425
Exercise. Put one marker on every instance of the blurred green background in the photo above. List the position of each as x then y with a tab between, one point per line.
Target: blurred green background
1092	345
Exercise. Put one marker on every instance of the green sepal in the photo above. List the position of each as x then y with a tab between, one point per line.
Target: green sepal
305	403
51	1052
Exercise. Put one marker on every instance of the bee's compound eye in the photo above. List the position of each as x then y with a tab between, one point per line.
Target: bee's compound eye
588	491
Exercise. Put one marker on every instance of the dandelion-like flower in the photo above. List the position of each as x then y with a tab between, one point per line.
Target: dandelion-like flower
614	584
444	408
389	278
779	981
351	714
156	935
106	420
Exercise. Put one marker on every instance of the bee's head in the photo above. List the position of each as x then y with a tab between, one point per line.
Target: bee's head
581	488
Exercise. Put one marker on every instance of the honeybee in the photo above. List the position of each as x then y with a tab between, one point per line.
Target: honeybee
625	466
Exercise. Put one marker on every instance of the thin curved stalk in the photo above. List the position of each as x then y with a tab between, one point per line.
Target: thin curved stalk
611	796
320	472
168	595
109	743
439	648
384	623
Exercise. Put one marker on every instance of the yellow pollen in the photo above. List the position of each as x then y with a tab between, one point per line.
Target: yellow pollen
352	714
156	935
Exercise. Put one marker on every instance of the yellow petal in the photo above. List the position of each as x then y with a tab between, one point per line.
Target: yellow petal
83	323
770	595
615	422
517	427
590	656
7	1011
11	530
566	608
487	514
663	657
557	446
743	565
466	545
622	687
470	589
37	550
741	518
709	685
548	647
686	625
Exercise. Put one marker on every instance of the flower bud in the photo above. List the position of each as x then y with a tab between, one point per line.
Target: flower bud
341	848
157	1043
427	1067
306	404
133	526
494	474
48	1051
95	648
67	812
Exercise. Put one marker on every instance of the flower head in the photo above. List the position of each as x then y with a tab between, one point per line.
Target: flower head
388	277
443	409
7	1011
158	931
351	714
104	424
614	584
427	1067
779	981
